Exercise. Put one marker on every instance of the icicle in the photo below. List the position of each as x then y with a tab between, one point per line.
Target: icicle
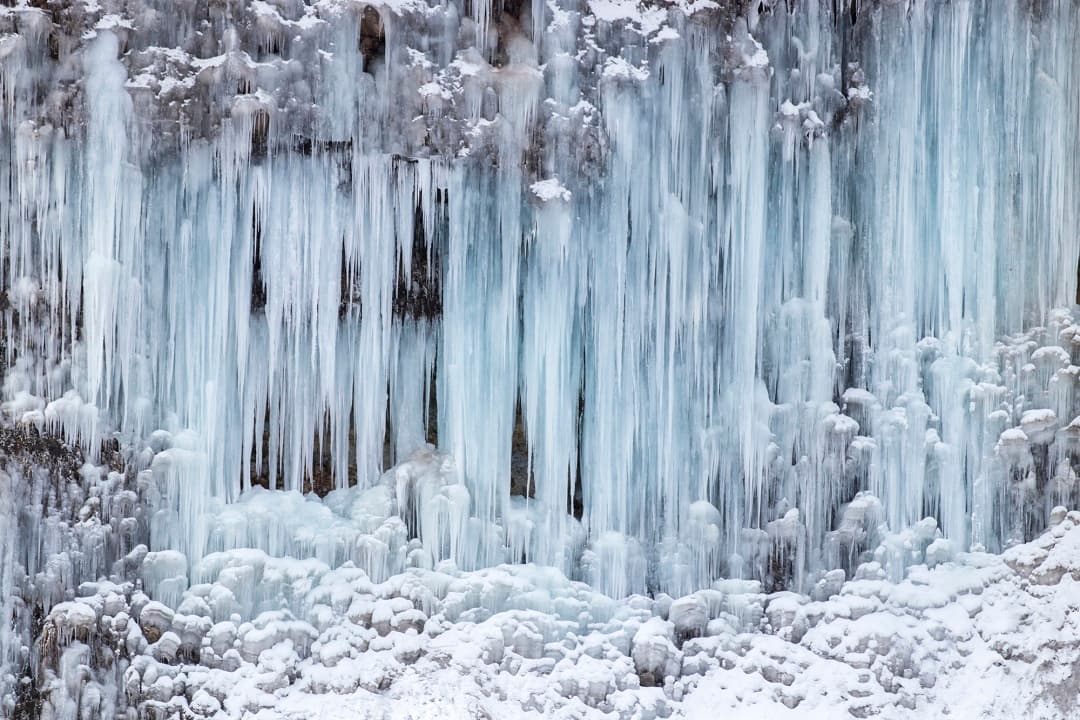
738	273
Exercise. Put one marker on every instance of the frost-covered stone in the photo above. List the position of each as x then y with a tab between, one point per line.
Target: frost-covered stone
155	618
655	655
689	616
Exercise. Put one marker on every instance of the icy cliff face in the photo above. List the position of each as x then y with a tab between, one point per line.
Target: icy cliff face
727	266
750	290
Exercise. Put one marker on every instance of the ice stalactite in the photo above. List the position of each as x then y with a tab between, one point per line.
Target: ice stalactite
743	272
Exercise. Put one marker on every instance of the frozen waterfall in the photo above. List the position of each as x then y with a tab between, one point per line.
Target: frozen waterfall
654	293
726	270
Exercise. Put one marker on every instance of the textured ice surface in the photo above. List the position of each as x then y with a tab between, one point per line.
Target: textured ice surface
743	331
655	257
252	634
305	607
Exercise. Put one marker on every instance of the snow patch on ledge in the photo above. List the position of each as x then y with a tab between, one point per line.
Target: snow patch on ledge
550	189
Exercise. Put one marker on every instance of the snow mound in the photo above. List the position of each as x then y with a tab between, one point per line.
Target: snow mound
278	638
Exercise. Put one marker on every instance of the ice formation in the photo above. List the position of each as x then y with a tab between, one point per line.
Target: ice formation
582	339
246	633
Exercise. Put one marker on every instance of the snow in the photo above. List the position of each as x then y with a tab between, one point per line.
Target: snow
524	641
619	68
550	189
644	18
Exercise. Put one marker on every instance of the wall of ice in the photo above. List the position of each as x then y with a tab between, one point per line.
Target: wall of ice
755	279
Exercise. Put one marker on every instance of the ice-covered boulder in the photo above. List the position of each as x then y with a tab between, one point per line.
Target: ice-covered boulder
655	655
155	618
689	616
